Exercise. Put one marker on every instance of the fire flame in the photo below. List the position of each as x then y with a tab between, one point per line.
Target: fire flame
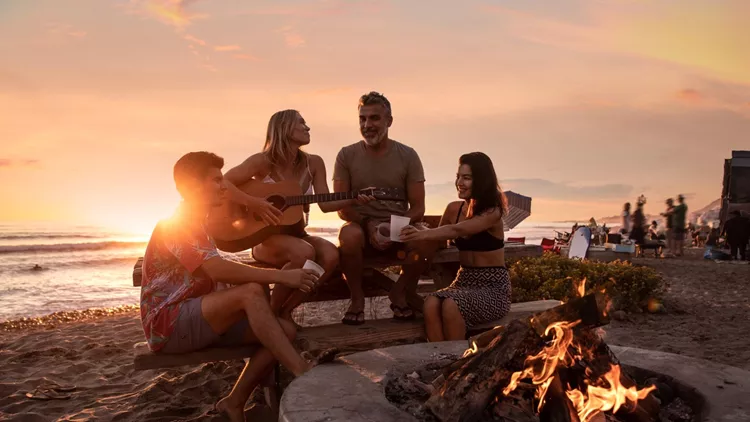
611	397
580	286
474	349
606	393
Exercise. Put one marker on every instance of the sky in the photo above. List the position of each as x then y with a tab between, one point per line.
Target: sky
582	104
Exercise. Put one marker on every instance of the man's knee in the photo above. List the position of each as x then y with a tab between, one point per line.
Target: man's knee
250	291
301	252
289	329
329	258
351	238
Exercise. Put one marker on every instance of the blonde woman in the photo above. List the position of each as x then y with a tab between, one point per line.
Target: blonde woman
282	159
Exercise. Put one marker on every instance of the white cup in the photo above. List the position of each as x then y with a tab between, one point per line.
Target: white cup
397	224
312	265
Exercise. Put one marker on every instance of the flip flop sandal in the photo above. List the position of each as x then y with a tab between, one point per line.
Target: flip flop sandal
403	310
355	320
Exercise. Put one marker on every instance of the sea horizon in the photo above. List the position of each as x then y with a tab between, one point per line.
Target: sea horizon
83	266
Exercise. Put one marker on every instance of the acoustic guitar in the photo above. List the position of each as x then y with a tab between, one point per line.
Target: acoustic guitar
234	228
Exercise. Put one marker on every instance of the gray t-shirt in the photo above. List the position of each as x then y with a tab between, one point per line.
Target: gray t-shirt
397	168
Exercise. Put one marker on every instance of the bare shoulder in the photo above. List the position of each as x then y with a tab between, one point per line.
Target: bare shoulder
451	211
316	161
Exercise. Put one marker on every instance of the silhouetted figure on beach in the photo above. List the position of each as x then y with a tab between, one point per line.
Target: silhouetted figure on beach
737	231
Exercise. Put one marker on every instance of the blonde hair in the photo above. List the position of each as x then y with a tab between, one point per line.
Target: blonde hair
278	147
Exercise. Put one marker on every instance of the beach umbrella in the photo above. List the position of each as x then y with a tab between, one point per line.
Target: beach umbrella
519	208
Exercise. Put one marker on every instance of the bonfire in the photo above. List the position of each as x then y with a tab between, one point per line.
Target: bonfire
553	366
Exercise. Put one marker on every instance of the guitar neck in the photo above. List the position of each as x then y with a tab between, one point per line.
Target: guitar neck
320	197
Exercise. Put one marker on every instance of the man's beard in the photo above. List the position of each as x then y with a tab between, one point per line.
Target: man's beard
374	140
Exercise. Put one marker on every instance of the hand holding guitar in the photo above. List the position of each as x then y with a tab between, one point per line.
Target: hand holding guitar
265	210
299	279
365	196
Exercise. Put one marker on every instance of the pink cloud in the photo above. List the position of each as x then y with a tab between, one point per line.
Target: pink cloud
7	162
242	56
322	8
690	95
194	40
227	48
65	30
292	38
171	12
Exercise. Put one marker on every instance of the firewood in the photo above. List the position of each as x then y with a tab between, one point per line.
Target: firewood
468	391
591	310
557	406
473	382
480	341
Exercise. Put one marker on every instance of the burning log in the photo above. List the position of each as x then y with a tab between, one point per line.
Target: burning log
575	376
557	407
591	310
470	389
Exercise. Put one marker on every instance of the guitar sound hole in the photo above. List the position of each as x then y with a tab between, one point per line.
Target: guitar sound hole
277	201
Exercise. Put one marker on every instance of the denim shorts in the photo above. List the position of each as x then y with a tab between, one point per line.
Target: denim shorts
192	332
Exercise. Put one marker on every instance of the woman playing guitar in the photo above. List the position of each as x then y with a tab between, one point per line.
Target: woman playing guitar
282	159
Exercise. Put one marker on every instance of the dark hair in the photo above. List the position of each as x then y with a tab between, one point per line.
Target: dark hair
194	166
374	97
485	189
626	207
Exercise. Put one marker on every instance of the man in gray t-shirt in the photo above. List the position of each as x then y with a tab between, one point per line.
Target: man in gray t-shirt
380	162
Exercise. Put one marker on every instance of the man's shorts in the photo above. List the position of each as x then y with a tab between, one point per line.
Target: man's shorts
192	332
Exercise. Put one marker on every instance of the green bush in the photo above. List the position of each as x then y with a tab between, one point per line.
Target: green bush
553	276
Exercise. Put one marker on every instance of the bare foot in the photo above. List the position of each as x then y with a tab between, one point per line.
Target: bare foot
233	412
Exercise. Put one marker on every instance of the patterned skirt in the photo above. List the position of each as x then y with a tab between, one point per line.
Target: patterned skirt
481	293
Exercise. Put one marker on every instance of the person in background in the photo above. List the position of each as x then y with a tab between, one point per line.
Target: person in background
667	214
737	231
653	232
481	291
625	219
679	215
638	233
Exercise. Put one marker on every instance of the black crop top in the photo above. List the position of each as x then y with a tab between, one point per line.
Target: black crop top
480	242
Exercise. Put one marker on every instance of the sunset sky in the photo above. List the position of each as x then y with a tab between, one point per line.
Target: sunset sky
582	105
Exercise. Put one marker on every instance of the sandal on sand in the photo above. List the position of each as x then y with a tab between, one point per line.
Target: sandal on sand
352	318
407	314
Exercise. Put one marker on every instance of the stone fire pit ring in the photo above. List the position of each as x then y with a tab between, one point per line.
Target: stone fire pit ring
351	389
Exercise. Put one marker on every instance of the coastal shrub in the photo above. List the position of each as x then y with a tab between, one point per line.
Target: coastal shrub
553	276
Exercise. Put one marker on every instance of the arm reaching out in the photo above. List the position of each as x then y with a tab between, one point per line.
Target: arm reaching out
451	231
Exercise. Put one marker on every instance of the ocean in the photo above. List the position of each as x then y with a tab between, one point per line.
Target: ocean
82	267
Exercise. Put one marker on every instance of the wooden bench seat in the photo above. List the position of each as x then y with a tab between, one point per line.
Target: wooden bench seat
371	334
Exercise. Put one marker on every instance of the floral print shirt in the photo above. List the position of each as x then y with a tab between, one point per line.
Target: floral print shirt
171	274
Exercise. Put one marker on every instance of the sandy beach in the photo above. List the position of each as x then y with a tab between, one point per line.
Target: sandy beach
706	306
